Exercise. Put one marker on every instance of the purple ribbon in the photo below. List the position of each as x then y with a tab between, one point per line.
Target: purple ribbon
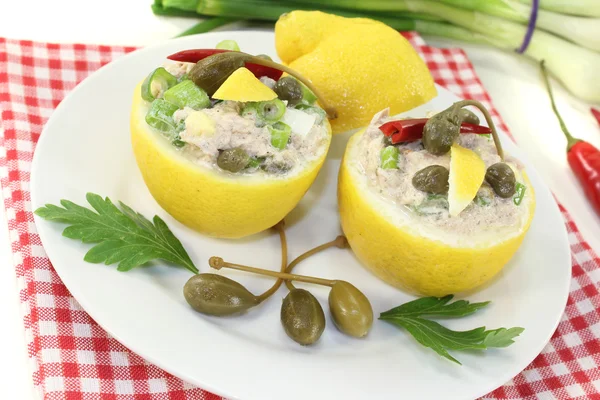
530	27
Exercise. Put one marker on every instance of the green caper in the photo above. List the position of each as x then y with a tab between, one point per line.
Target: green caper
502	179
217	295
468	116
302	317
441	131
350	309
210	72
233	160
432	179
288	88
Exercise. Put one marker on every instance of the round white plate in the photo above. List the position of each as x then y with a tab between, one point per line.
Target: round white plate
85	147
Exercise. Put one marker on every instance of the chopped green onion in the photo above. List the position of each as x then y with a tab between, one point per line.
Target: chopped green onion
481	201
228	45
271	110
187	94
255	162
280	135
160	116
158	81
389	157
519	193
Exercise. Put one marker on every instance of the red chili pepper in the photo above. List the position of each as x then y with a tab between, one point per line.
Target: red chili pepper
196	55
409	130
583	157
596	114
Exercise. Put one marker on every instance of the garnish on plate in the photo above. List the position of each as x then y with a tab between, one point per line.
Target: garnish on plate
122	235
413	316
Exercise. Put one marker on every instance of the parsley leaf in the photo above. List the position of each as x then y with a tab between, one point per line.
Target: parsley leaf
123	235
412	317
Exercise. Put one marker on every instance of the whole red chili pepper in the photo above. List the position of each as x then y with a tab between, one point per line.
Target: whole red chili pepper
196	55
596	114
409	130
583	157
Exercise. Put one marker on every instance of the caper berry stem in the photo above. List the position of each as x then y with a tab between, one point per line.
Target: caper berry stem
340	242
281	230
331	111
488	118
218	263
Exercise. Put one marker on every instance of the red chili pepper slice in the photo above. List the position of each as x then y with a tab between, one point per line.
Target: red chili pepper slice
196	55
409	130
596	114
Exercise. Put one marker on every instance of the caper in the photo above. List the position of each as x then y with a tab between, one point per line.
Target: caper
350	309
210	72
502	179
288	88
233	160
432	179
217	295
302	317
441	131
468	116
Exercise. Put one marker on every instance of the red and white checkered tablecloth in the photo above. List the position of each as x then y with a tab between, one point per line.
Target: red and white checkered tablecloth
74	358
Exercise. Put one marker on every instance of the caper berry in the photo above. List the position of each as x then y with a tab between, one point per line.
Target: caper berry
233	160
211	72
468	116
350	309
440	132
432	179
217	295
288	88
502	179
302	317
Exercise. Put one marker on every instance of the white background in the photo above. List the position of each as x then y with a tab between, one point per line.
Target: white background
512	81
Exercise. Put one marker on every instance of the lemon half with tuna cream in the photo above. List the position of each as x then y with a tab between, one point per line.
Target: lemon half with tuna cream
433	224
228	162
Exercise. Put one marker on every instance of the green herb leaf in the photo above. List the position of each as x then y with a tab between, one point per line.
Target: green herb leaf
411	316
519	193
123	235
434	306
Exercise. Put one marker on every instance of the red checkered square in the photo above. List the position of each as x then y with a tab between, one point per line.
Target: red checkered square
74	358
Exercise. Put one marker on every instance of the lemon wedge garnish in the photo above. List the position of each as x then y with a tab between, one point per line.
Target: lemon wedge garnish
243	86
467	171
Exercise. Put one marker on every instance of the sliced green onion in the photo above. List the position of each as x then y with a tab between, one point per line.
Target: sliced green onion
280	135
519	193
389	157
271	110
481	201
158	81
160	116
228	45
187	94
255	162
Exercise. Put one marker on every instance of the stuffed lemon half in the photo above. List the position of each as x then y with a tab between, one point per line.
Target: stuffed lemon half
225	144
432	205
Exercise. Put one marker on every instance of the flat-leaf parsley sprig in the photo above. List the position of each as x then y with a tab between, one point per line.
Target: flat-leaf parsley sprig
412	317
123	235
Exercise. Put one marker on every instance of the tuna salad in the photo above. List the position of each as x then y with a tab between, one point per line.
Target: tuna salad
399	166
279	136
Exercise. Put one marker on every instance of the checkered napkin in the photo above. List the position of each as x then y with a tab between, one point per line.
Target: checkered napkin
74	358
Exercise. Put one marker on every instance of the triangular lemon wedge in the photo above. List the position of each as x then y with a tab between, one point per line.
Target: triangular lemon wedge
243	86
467	172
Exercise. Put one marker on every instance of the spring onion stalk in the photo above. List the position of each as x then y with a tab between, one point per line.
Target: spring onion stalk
581	30
578	71
207	25
588	8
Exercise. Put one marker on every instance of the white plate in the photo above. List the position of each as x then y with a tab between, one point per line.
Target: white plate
85	147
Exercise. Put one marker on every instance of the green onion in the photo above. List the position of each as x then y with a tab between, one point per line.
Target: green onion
389	157
158	81
187	94
588	8
206	25
255	162
520	193
271	110
280	135
318	111
160	116
228	45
